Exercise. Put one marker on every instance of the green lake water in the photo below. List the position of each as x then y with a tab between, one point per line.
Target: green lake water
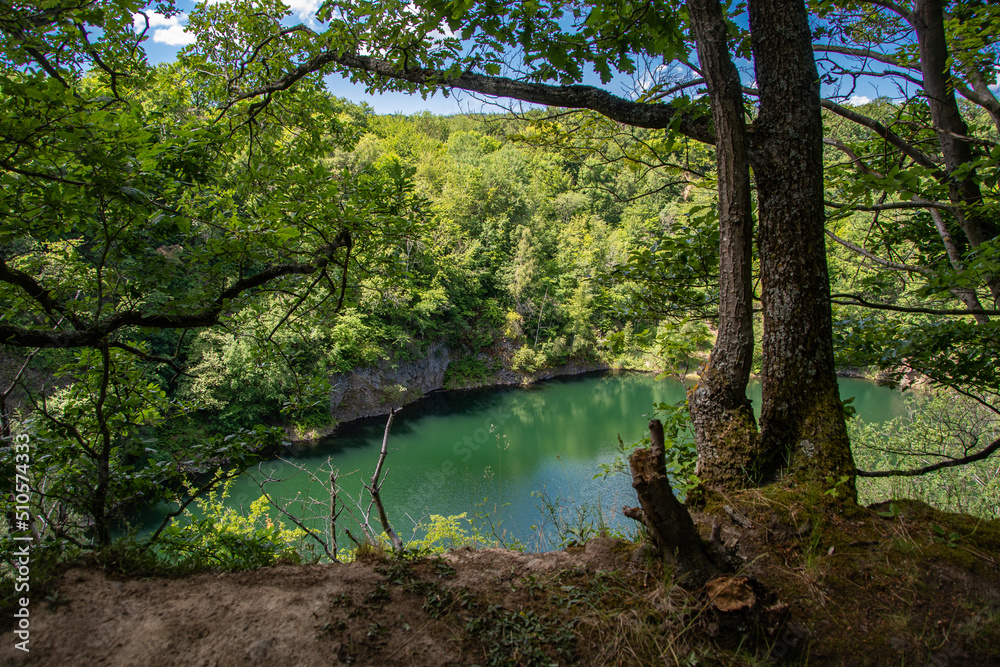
495	452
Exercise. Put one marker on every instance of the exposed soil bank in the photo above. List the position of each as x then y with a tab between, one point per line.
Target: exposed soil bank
884	586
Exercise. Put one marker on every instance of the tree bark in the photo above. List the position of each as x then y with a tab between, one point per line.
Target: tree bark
725	428
927	20
802	418
965	295
635	114
99	501
670	526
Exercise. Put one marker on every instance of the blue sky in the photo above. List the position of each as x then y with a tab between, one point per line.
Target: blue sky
167	36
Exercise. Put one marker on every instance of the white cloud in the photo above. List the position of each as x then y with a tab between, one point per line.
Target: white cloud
858	100
163	29
304	9
175	35
161	21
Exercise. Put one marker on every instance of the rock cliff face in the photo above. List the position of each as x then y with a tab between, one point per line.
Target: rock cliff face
373	391
367	392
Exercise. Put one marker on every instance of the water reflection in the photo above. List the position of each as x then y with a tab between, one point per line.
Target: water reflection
455	452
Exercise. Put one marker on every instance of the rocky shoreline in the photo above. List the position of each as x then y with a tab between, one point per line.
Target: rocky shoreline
374	391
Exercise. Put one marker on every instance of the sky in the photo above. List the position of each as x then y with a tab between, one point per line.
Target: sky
167	36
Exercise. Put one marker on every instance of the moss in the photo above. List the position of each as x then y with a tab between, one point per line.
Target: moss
899	583
823	449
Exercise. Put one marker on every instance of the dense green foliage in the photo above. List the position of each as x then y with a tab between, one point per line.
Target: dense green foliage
517	265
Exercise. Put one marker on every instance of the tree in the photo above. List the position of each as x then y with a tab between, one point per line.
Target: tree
801	414
912	180
132	202
936	160
97	175
555	41
729	451
89	461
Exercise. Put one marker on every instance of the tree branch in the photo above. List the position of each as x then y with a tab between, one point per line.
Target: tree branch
862	53
886	134
893	7
854	158
951	463
311	533
151	357
374	486
91	336
859	301
36	292
878	260
637	114
893	206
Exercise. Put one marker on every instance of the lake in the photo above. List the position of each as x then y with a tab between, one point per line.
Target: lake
500	455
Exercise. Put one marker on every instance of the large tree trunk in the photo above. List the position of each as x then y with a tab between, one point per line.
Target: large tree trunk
724	424
928	22
802	418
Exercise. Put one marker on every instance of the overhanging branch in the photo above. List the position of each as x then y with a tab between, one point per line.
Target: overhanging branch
951	463
893	206
862	53
859	301
92	336
897	266
637	114
888	135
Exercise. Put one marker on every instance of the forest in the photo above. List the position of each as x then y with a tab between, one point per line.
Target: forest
193	254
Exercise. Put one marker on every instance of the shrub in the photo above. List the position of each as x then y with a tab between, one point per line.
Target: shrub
222	537
527	361
464	370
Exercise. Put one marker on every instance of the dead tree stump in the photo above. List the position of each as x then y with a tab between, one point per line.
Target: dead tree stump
670	526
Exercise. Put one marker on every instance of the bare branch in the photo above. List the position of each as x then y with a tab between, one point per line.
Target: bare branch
878	260
310	532
859	301
862	53
951	463
374	486
334	514
852	156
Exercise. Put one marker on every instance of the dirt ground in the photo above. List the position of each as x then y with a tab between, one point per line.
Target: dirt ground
888	585
285	615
